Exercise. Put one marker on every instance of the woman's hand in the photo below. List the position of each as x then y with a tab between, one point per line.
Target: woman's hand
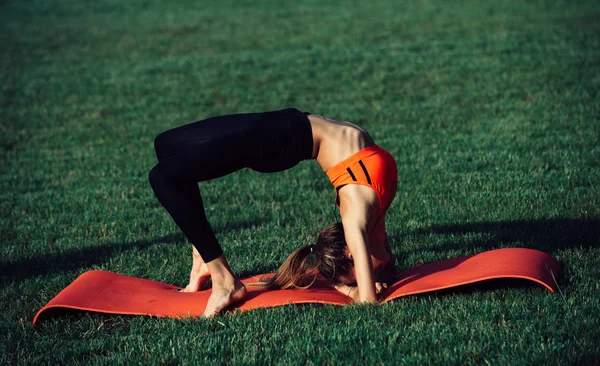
388	274
380	287
350	291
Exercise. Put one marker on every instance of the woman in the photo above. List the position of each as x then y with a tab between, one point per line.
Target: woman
364	175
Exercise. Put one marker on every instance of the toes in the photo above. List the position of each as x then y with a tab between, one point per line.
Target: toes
211	311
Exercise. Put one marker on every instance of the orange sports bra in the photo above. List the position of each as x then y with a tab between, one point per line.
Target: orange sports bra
372	167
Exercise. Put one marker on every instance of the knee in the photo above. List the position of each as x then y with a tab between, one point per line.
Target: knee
162	176
158	140
155	176
160	144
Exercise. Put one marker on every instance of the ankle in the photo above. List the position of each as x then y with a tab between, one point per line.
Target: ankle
220	271
226	279
199	267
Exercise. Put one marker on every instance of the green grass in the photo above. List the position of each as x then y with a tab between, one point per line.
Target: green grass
492	110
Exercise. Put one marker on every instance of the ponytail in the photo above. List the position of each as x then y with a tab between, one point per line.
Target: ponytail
300	269
293	272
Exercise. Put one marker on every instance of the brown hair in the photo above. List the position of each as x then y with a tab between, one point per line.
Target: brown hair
329	260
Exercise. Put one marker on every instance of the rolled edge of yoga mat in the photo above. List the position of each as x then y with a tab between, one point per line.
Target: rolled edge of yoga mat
522	263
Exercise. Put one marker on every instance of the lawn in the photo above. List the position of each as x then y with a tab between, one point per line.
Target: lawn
491	109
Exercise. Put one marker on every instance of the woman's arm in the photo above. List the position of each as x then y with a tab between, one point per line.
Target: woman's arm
358	205
357	241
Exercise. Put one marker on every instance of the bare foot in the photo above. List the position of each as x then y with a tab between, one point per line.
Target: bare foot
198	277
222	297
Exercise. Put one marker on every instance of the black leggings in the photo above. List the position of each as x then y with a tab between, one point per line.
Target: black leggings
266	142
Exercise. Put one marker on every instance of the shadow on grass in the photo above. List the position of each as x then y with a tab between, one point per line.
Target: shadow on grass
85	257
543	235
493	284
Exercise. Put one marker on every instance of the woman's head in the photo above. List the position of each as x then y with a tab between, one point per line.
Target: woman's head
329	255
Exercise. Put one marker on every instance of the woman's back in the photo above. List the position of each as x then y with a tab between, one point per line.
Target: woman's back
334	141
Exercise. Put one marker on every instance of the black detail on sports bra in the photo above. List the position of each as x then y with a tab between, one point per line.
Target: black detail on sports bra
351	174
365	170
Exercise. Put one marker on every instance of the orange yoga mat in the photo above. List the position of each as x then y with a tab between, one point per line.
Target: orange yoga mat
107	292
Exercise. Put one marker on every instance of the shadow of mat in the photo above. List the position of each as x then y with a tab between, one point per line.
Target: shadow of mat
86	257
545	235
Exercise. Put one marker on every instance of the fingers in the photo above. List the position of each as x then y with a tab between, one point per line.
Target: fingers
380	287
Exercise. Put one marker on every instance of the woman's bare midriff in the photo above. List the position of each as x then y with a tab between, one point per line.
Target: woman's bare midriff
334	141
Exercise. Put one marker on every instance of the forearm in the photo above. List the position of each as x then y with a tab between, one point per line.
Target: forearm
356	238
358	205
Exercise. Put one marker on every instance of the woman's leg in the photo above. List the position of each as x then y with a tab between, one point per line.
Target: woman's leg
194	153
180	196
208	149
199	273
